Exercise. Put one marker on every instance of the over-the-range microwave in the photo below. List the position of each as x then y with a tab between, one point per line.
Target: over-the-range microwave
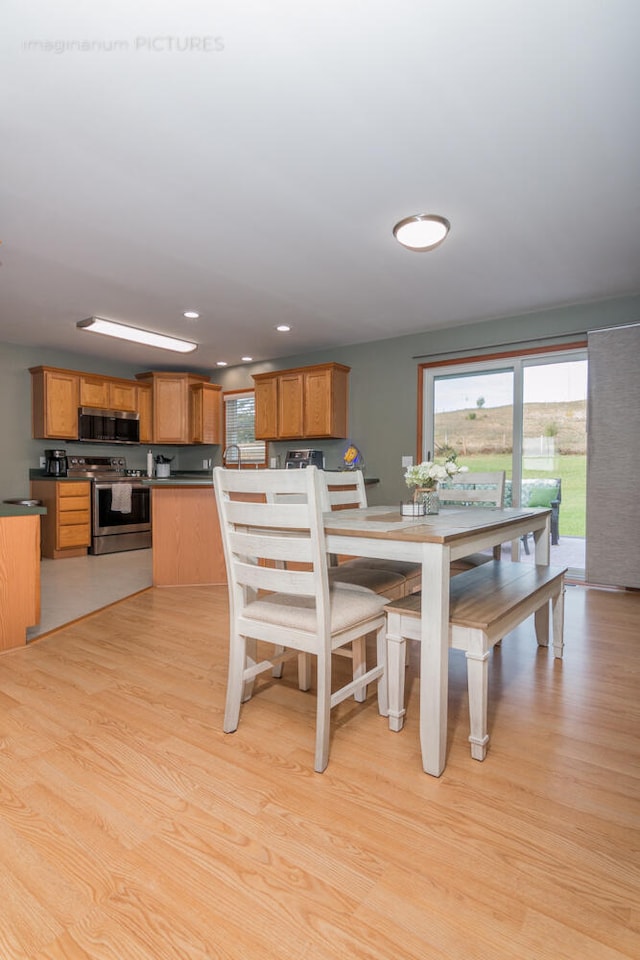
108	426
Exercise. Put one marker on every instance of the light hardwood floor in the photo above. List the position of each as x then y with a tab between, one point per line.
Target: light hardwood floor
133	828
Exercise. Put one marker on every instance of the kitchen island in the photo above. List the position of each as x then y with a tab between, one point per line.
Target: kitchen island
19	572
187	544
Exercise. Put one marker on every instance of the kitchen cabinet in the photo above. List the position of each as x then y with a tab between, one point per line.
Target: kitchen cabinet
55	398
171	404
66	528
302	403
145	409
266	407
205	413
19	578
108	394
187	542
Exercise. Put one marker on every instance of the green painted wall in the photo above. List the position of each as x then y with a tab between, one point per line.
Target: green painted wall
383	391
384	379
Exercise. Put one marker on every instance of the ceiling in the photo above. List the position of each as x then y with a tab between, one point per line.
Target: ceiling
248	160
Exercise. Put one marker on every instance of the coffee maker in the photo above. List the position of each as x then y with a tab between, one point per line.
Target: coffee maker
56	463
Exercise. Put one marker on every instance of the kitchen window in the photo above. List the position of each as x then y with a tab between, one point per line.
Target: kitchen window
239	430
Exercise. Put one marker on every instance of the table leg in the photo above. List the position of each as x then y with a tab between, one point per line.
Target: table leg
542	539
434	657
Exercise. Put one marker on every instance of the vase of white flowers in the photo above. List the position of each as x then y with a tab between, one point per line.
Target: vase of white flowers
425	477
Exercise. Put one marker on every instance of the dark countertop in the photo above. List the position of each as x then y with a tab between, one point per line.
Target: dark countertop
194	479
18	510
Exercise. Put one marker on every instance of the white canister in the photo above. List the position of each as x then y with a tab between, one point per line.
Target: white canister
163	470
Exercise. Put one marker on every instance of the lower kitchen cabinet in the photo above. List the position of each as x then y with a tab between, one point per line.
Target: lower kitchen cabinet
19	578
66	528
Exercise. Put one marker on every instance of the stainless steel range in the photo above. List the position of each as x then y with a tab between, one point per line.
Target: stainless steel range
120	504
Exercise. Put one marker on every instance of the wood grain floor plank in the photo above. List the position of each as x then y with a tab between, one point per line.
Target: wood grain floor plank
132	827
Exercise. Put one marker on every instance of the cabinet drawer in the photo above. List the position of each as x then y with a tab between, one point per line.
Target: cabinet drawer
71	517
76	535
78	489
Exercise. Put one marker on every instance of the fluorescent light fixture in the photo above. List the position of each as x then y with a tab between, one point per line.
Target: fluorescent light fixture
424	231
135	335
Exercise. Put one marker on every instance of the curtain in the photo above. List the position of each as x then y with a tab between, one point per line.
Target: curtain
613	457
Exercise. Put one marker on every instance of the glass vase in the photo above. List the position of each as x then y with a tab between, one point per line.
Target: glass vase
428	496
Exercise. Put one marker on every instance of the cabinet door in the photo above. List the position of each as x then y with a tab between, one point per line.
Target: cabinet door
123	396
144	408
55	397
205	421
266	399
290	406
325	403
94	392
170	409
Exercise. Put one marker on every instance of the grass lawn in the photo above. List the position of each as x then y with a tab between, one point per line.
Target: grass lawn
573	471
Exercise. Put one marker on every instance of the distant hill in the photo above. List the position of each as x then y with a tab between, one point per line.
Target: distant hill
489	429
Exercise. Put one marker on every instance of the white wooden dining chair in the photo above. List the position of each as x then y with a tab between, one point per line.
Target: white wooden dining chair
473	490
279	591
394	578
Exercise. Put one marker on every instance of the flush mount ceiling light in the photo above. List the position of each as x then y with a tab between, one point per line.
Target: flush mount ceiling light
135	335
424	231
191	314
283	328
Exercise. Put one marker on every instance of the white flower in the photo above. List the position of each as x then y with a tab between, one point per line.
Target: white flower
429	473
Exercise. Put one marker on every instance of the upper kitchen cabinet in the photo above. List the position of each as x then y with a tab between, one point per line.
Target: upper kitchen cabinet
205	413
303	403
55	396
145	409
108	394
171	404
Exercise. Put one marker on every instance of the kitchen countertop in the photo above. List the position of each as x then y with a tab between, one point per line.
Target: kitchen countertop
186	479
18	510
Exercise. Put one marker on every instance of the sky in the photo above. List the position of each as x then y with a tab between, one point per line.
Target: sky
551	382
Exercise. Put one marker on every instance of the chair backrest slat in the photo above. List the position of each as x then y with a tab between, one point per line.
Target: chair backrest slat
472	488
343	489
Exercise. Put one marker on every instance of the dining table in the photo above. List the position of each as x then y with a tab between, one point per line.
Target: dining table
435	541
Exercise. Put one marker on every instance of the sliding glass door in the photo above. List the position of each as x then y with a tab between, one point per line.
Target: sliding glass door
526	416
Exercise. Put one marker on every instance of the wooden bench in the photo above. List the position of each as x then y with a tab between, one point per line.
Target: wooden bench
485	604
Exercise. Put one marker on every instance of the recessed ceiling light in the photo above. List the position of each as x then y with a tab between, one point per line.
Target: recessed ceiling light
422	232
221	363
247	359
283	328
191	314
135	335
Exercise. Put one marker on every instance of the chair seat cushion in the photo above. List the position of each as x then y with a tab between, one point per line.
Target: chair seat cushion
348	607
377	580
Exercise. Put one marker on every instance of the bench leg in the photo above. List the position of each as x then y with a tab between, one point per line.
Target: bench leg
557	611
477	682
396	658
541	619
